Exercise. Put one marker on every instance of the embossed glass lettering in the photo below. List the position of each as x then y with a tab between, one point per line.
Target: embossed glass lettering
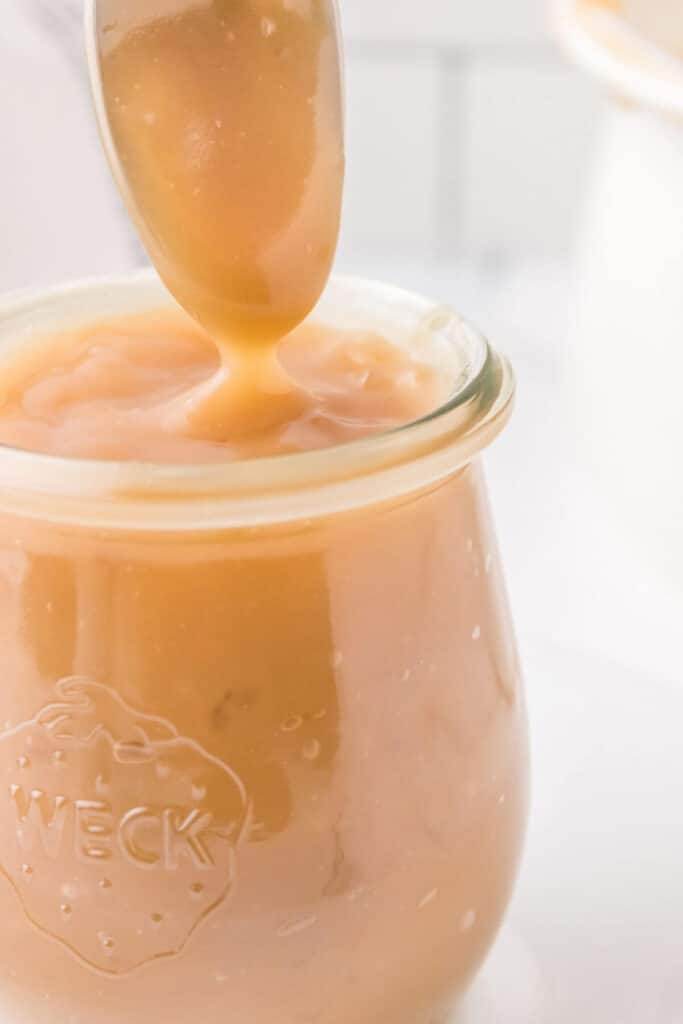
187	836
112	803
40	816
140	820
93	830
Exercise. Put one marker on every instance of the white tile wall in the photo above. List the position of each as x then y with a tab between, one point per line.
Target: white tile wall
444	22
518	163
393	152
469	135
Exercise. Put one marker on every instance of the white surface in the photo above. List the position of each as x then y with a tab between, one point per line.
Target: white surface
594	935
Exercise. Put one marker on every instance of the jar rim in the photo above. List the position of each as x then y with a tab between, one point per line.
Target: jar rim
268	490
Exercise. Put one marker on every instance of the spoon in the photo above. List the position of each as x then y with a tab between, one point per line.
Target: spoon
223	124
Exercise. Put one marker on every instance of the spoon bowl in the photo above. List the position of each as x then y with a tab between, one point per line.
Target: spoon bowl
223	126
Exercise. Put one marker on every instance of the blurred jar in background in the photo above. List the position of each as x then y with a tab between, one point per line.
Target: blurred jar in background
60	216
626	343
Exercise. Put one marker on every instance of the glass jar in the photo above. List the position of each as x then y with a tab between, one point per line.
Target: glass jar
263	739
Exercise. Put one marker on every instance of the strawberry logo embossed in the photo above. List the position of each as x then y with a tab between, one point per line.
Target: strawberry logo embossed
119	836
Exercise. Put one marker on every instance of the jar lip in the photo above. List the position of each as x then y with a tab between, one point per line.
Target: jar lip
273	489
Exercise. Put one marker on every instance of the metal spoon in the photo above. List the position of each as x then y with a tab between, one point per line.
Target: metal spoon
240	215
